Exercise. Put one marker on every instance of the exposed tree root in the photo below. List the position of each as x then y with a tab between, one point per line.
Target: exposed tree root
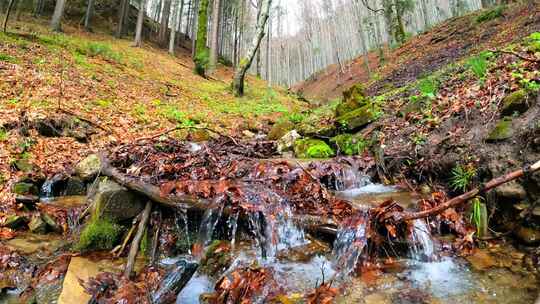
145	215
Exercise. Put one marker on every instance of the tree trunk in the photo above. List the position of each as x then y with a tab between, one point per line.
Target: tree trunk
164	27
57	16
245	63
215	35
10	6
194	27
88	16
172	37
140	22
124	4
201	51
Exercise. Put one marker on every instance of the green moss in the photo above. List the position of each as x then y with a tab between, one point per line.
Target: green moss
24	188
99	234
144	247
359	117
104	51
515	102
491	14
7	58
202	53
353	98
312	148
348	144
503	130
3	134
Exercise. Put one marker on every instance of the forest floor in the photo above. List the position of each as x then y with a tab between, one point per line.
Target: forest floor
122	91
421	55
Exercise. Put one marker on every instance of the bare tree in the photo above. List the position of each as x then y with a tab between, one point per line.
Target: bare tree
140	22
88	15
215	35
245	63
10	6
162	36
57	15
122	13
172	36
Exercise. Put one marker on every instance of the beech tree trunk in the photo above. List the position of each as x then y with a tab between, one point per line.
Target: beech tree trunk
124	4
10	6
215	35
57	16
88	15
245	63
140	22
201	51
162	36
172	36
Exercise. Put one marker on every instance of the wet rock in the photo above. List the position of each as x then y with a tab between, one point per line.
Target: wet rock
24	188
353	98
51	223
280	129
511	191
72	291
23	164
286	142
74	186
502	130
37	225
28	201
358	118
528	236
312	148
49	127
517	102
99	234
114	202
318	124
15	221
54	186
88	168
217	258
174	281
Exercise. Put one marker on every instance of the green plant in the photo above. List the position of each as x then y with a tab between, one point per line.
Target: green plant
296	117
462	177
419	139
8	58
478	66
104	103
3	134
428	87
491	14
99	234
94	49
479	216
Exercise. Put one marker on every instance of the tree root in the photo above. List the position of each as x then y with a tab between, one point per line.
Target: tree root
145	215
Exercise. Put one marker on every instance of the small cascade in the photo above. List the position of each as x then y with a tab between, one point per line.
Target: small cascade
48	188
421	242
208	224
350	177
351	240
283	232
232	223
182	225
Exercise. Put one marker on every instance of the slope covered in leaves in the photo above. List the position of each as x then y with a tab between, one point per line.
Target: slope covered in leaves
120	91
426	53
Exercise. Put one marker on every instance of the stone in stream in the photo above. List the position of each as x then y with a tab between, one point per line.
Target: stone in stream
74	186
88	168
114	202
37	225
24	188
312	148
280	129
15	221
174	281
51	223
358	118
286	142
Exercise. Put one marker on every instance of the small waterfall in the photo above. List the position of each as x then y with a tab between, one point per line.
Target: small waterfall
351	240
421	242
350	177
208	224
181	220
283	232
232	222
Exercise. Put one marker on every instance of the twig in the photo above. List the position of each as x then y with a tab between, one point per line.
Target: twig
456	201
118	250
145	215
518	55
95	124
187	127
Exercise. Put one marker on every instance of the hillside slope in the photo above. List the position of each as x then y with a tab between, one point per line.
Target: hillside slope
448	42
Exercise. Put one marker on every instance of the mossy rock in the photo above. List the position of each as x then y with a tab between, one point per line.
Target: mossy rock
517	102
279	129
353	99
23	165
15	221
312	148
37	225
358	118
88	168
23	188
115	202
503	130
217	258
319	123
348	144
99	234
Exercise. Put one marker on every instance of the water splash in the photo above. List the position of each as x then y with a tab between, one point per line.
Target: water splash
421	242
350	177
351	240
181	220
48	188
232	223
208	224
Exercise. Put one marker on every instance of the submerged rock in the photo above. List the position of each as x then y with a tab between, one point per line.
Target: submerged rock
114	202
502	130
358	118
74	186
528	236
312	148
88	168
517	102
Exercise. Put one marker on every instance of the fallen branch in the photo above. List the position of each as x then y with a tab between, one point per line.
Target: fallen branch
187	127
145	215
518	55
120	248
93	123
459	200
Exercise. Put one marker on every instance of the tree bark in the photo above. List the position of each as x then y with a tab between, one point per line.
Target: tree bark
128	271
57	16
215	35
124	4
201	51
140	22
10	6
172	36
245	63
88	16
164	27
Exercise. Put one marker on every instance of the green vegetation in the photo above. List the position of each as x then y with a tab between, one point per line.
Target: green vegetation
7	58
503	130
479	64
95	49
491	14
428	87
462	177
312	148
348	144
202	53
3	134
479	216
99	234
